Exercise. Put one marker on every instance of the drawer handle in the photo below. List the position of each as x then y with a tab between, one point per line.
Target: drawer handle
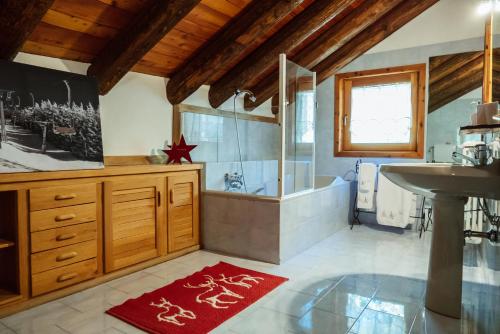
63	237
66	256
62	218
66	277
171	196
65	197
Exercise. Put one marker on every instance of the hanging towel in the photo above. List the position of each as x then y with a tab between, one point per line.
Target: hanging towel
394	204
366	186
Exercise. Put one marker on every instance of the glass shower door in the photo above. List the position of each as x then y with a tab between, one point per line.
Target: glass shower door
297	115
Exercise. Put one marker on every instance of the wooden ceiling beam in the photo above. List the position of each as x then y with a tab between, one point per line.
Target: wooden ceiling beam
18	19
266	56
136	39
453	78
368	38
327	43
226	46
473	81
451	65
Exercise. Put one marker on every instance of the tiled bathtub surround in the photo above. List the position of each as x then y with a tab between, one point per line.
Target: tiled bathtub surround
308	219
258	175
273	230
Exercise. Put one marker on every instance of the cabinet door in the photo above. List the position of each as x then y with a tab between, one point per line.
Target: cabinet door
133	220
183	214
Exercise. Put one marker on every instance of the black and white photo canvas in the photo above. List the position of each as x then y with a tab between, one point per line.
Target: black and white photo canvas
49	120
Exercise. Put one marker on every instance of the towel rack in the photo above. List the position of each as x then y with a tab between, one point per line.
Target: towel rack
355	210
424	218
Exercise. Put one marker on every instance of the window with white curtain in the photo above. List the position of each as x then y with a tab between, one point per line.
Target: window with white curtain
380	113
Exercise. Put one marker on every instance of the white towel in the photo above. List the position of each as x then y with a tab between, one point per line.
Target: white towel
366	186
394	204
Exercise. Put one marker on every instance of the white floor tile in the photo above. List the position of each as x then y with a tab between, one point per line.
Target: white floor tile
362	281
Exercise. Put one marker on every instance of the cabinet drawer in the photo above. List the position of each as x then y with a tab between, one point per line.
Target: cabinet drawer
61	277
63	236
56	197
60	217
63	256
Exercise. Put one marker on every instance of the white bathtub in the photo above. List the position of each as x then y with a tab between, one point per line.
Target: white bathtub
272	229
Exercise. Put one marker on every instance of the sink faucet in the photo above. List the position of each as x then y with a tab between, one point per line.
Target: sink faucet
481	156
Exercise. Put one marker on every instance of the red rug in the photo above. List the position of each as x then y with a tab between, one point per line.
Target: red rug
198	303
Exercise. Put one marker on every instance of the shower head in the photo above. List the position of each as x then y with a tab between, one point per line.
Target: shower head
244	92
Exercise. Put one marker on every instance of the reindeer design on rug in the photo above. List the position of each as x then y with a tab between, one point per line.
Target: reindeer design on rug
172	312
215	291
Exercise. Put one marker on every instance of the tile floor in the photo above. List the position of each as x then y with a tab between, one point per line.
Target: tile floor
362	281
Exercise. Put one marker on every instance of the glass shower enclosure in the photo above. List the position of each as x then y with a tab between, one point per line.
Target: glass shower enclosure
277	153
297	111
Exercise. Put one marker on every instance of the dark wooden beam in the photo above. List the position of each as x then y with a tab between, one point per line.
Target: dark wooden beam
458	75
371	36
226	46
18	19
135	40
452	64
462	87
453	78
266	56
327	43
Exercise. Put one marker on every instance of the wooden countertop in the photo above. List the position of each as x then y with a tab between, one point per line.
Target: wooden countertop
87	173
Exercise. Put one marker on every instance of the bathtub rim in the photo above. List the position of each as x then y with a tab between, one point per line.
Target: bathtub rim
275	199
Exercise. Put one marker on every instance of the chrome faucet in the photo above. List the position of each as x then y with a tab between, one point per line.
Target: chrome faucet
481	156
233	181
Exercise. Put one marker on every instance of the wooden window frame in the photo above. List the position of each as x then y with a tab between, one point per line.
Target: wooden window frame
416	74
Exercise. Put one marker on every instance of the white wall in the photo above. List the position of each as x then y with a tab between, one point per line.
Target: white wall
136	115
446	21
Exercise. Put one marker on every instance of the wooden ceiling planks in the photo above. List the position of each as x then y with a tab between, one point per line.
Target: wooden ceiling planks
330	39
225	47
81	29
136	39
293	34
78	30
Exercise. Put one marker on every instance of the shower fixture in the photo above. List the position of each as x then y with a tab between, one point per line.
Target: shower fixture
251	96
244	92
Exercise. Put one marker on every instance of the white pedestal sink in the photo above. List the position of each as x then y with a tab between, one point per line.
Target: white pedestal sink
448	186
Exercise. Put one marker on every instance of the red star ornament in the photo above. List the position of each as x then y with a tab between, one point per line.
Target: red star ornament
178	151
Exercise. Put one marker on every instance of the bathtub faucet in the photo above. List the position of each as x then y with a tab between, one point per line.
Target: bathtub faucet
233	181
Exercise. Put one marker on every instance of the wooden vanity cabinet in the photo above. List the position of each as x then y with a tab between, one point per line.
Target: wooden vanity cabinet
183	211
61	232
65	235
133	217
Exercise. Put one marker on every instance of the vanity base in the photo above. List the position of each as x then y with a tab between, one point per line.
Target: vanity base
444	281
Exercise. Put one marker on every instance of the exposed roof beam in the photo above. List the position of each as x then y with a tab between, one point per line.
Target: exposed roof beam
18	19
454	63
326	44
134	41
454	77
473	81
371	36
226	46
266	56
